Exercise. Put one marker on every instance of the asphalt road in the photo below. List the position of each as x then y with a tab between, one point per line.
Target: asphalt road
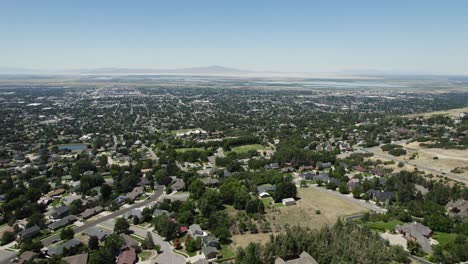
159	191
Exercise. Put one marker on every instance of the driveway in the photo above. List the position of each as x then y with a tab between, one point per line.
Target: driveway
6	256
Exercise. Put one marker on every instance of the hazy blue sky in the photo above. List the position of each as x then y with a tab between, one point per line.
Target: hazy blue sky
310	36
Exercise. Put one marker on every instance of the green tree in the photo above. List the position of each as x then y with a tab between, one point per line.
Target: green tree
67	233
121	225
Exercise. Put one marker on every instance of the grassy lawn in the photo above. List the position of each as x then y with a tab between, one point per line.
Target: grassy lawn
247	148
267	201
226	252
138	238
444	238
55	203
146	254
182	150
382	226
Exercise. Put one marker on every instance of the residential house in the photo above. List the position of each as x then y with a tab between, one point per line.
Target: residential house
133	213
28	233
60	212
76	259
62	222
127	256
265	188
422	189
196	231
287	169
211	182
303	258
458	208
418	232
210	241
210	252
271	166
58	250
158	212
100	234
27	256
380	196
130	242
353	184
135	193
323	165
178	184
307	175
91	212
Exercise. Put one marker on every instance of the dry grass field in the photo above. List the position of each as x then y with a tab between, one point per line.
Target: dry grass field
451	112
446	161
304	214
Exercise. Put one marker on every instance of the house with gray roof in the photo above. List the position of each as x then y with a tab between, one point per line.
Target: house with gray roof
28	233
210	241
91	212
210	252
196	231
417	232
265	188
100	234
60	212
303	258
58	250
62	222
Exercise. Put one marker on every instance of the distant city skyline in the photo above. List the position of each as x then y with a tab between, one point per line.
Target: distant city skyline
420	37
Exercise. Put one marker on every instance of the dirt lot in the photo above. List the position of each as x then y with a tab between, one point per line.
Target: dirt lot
451	112
304	214
447	159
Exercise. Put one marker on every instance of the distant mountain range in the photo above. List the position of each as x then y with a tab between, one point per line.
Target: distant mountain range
214	70
209	70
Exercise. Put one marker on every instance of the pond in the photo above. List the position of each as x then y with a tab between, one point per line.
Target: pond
72	147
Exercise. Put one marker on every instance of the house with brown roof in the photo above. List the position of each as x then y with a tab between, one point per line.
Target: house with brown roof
76	259
127	256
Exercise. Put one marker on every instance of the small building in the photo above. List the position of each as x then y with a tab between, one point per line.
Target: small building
288	201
